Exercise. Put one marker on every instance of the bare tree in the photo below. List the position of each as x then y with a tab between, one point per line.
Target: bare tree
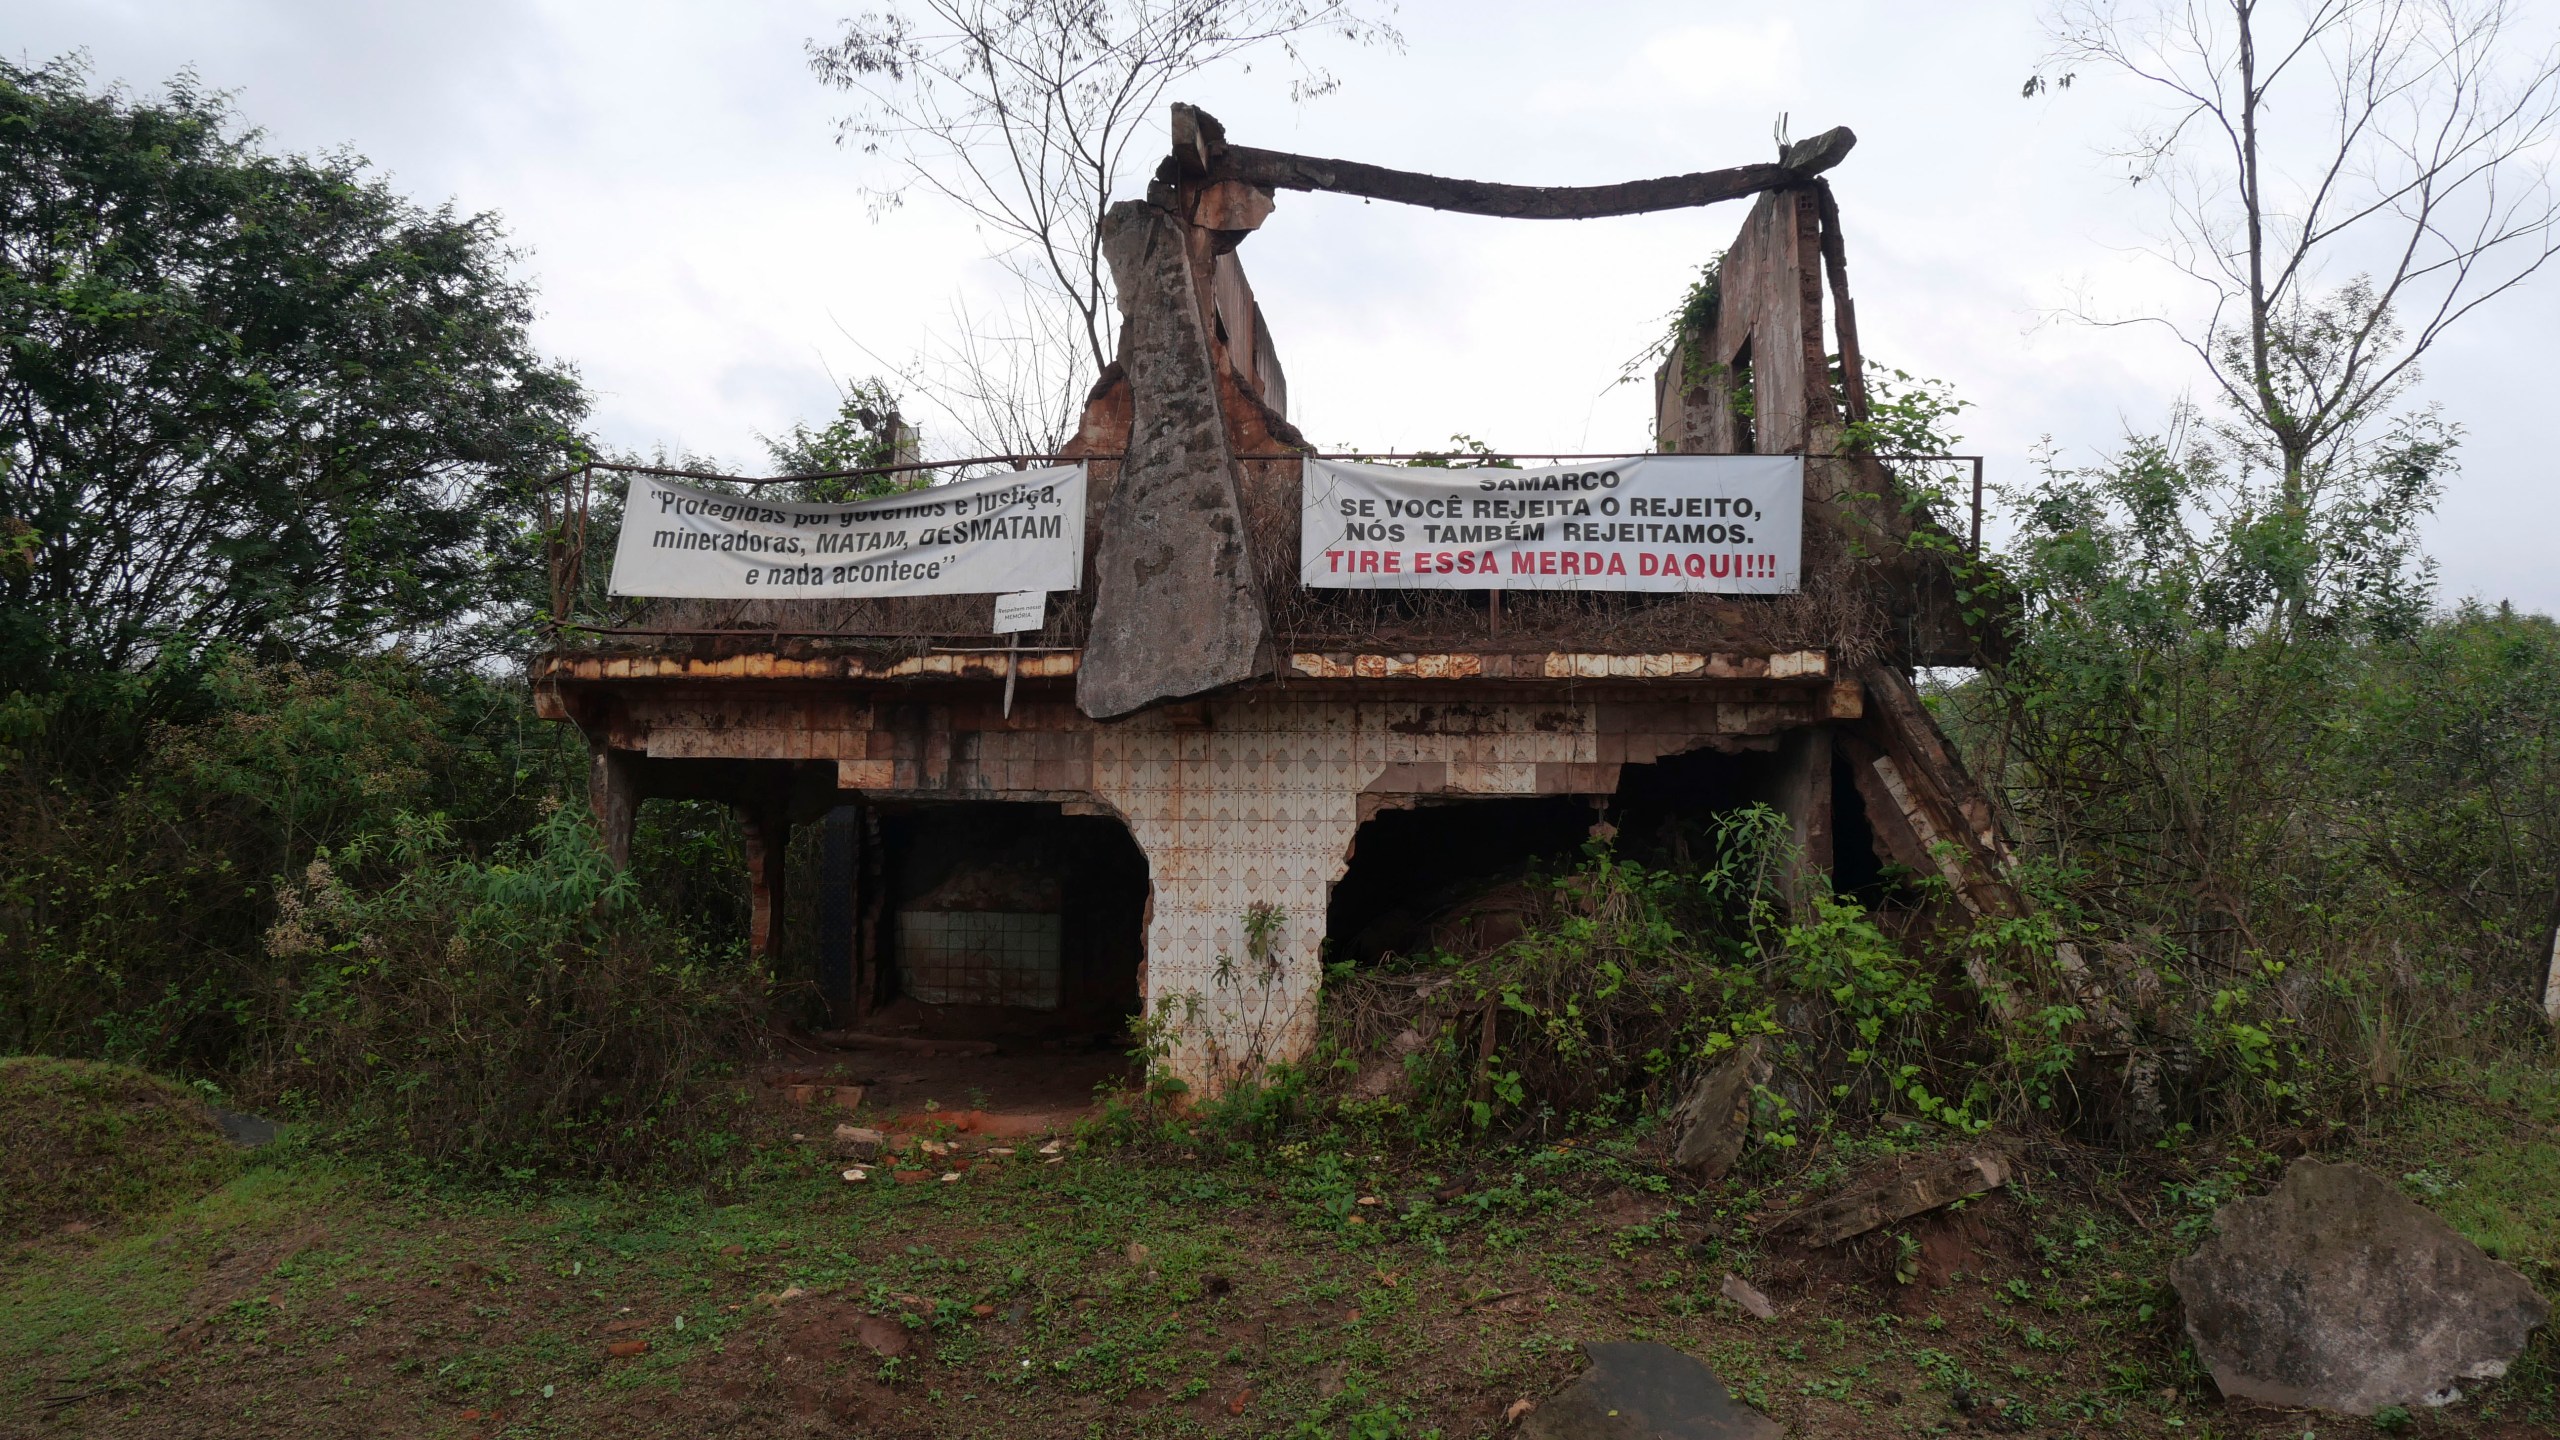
2344	179
1023	113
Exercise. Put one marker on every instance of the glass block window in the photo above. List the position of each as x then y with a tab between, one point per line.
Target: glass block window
980	957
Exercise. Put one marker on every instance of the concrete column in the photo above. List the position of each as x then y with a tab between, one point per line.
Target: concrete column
839	910
1803	795
768	827
614	792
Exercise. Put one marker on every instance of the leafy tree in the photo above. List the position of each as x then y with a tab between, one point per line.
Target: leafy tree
2338	183
866	433
248	399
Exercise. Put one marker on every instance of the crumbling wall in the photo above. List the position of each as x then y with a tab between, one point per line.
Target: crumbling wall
1247	803
1176	611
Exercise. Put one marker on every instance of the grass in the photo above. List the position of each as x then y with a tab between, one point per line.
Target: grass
1138	1292
86	1143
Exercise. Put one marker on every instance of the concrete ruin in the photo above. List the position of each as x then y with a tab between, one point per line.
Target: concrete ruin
1198	764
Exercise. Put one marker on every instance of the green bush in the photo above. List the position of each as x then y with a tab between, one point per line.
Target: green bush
1628	976
81	1141
145	820
510	1018
520	1017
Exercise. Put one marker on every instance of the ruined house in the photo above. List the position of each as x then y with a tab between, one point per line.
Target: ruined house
1199	770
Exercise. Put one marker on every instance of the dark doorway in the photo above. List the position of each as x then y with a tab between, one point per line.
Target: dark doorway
1008	921
1666	812
1433	876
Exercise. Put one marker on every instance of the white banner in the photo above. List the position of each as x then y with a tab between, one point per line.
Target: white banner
1020	530
1726	524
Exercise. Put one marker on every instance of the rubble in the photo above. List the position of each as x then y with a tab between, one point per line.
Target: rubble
1868	1207
1747	1295
2336	1292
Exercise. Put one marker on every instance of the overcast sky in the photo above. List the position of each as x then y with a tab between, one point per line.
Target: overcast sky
706	260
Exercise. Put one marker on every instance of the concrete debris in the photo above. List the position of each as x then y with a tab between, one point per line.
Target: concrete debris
1176	611
1382	1079
1747	1295
857	1175
1711	1125
859	1142
1871	1207
2336	1292
1639	1390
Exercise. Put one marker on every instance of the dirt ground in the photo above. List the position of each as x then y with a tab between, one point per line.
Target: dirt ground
1336	1287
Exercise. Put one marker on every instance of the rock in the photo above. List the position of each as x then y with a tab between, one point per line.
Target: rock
1747	1295
626	1349
1519	1408
1638	1390
859	1142
1176	610
2336	1292
246	1131
1868	1207
1709	1128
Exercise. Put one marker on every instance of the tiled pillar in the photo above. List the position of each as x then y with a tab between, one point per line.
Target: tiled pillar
1256	809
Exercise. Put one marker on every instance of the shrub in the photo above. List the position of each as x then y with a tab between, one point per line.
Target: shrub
81	1141
1628	976
522	1017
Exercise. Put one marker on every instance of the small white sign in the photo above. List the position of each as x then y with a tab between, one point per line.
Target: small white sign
1023	610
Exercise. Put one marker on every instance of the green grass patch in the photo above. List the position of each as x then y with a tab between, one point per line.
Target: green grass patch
87	1142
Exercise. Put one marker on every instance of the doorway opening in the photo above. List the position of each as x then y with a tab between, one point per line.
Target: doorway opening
995	954
1447	876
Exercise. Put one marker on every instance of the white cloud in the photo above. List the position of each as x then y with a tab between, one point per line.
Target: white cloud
704	252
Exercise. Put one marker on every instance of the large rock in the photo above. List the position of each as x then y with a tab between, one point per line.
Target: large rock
1637	1390
1709	1128
1176	611
2336	1292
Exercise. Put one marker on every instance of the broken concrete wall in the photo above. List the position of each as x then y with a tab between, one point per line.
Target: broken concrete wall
1177	612
1244	801
1768	321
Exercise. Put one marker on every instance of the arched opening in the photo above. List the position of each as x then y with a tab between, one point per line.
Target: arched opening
1448	874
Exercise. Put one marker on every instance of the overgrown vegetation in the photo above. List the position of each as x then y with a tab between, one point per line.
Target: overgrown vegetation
84	1143
523	1016
1629	976
268	438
